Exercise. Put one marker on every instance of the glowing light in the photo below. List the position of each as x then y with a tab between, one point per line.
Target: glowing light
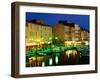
34	58
42	42
29	44
56	59
50	38
31	39
50	61
72	42
38	40
43	63
49	42
86	43
71	52
56	37
30	61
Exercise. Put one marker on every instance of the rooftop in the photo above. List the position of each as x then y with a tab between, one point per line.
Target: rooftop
67	23
39	22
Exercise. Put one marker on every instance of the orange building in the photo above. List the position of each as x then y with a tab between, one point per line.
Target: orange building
67	31
84	35
71	33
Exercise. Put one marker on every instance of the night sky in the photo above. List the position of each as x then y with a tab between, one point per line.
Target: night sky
52	19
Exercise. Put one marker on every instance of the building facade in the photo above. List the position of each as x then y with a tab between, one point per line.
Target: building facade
84	35
67	31
70	33
37	33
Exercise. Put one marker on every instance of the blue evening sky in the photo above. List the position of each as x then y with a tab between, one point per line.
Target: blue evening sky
52	18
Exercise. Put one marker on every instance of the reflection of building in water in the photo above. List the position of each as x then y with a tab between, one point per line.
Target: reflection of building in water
68	57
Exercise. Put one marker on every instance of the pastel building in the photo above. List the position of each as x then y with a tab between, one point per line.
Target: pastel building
70	33
67	31
84	35
37	33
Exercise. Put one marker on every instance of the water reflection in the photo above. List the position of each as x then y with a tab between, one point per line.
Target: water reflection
61	58
50	61
43	63
56	59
